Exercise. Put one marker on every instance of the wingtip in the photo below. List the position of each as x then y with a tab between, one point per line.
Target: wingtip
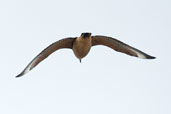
151	57
21	74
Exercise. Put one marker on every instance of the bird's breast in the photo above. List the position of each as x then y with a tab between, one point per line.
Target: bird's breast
81	47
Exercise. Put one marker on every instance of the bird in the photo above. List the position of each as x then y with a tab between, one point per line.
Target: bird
81	46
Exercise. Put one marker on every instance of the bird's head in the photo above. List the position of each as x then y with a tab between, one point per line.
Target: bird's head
86	35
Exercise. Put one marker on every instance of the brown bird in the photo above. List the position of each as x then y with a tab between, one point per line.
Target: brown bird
81	47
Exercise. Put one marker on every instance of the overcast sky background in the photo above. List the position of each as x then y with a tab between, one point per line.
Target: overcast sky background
106	82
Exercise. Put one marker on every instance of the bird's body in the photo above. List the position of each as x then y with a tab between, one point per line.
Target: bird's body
81	47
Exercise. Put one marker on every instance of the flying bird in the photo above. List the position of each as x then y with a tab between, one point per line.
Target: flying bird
81	46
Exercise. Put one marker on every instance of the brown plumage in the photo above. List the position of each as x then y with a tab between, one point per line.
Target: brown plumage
81	47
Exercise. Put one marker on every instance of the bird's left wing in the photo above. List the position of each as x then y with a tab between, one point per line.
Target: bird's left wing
64	43
119	46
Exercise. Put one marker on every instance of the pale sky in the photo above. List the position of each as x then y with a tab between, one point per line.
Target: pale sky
106	82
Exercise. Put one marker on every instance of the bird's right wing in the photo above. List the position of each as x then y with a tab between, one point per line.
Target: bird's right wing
119	46
64	43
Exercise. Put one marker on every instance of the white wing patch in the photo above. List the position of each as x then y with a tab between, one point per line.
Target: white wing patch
140	55
27	69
